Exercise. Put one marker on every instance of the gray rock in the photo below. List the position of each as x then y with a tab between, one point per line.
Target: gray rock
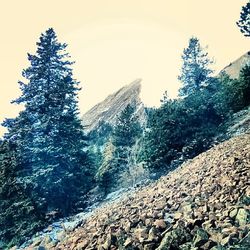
108	110
174	238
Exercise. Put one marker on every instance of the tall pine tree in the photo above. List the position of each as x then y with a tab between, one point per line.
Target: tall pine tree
195	72
50	140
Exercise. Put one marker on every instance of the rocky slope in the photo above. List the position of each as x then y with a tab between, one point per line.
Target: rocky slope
239	123
233	69
107	110
204	204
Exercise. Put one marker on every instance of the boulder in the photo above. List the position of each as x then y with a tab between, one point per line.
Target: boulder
233	213
141	234
161	224
174	238
200	238
243	217
128	242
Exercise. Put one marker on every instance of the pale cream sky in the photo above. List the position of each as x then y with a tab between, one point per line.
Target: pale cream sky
115	42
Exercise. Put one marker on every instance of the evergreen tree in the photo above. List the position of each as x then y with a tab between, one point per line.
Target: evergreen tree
245	85
232	95
236	92
96	157
117	151
101	134
48	132
19	216
126	132
195	72
127	128
180	129
244	22
164	137
106	172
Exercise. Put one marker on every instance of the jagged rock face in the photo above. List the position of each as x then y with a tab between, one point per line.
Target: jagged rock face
204	204
233	69
108	110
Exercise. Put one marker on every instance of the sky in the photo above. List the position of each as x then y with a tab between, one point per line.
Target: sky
114	42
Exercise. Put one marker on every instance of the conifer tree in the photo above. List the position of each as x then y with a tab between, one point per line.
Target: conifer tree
117	151
244	22
19	216
195	72
106	172
48	132
127	128
182	128
126	132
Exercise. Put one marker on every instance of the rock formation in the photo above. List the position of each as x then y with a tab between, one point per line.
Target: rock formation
204	204
108	110
233	69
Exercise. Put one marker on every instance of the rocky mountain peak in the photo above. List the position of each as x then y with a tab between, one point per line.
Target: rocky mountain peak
108	110
233	69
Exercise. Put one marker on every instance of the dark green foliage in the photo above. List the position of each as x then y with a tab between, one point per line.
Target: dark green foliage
126	132
101	135
195	72
19	216
181	129
244	22
55	167
98	139
108	168
95	154
234	94
244	86
127	128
